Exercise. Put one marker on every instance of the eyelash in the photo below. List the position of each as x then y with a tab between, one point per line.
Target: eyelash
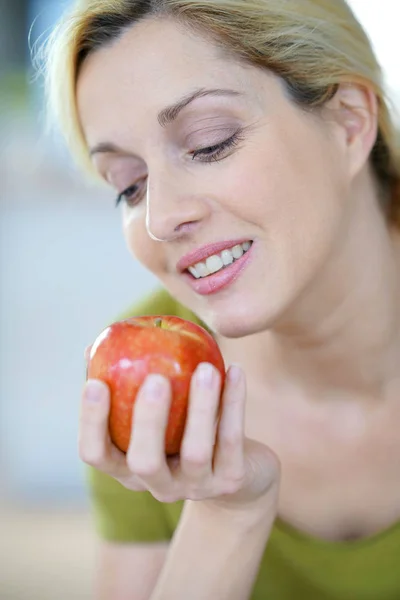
211	154
125	196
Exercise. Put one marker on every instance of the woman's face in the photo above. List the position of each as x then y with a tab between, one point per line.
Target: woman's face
238	164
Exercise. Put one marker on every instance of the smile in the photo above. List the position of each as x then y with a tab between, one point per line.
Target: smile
218	262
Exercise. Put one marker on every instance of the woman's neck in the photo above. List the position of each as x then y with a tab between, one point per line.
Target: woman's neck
343	334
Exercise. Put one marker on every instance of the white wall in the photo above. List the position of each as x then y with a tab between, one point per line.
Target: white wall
381	20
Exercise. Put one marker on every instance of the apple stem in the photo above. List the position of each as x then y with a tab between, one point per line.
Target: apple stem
158	322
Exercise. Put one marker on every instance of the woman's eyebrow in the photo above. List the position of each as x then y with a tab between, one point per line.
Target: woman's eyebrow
170	113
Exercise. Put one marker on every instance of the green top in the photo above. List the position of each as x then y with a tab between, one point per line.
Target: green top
295	566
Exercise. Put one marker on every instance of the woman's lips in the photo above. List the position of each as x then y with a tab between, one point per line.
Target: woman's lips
204	252
222	279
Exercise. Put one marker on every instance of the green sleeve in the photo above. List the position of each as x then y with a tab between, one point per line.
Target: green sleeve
119	514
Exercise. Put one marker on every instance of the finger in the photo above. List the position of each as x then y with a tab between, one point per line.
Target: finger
229	460
95	446
87	352
197	447
146	453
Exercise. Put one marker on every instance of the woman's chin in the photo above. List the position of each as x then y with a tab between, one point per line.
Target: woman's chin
240	324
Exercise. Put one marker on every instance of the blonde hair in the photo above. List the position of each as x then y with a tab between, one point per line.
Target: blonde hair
313	45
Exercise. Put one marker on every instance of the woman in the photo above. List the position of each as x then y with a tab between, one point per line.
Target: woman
252	151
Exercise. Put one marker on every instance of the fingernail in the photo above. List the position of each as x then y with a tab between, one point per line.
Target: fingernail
205	374
235	373
154	384
93	390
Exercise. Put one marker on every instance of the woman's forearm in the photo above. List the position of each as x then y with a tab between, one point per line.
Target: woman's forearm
215	554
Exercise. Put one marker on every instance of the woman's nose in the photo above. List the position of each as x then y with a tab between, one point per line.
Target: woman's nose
172	211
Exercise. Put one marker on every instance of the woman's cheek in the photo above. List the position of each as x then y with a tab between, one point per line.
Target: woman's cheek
134	230
148	252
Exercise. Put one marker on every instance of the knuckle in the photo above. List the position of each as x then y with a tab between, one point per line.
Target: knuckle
149	423
131	483
231	439
202	407
165	497
143	468
196	457
235	397
231	487
194	495
200	490
94	416
92	457
234	481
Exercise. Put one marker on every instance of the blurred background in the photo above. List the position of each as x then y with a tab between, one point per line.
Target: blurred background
64	274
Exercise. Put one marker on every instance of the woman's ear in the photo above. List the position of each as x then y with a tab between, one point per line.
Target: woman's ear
355	109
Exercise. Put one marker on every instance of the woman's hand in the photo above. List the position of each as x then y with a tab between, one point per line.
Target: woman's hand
216	463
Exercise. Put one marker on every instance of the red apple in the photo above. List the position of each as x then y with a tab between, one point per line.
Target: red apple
127	351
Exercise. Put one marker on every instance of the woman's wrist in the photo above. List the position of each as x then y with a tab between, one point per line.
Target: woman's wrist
249	514
205	559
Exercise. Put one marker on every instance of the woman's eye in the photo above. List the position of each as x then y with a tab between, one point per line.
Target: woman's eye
133	194
213	153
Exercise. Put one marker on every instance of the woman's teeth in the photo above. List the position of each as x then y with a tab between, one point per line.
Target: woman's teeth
216	262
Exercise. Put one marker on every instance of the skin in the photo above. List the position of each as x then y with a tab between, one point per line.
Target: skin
313	320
